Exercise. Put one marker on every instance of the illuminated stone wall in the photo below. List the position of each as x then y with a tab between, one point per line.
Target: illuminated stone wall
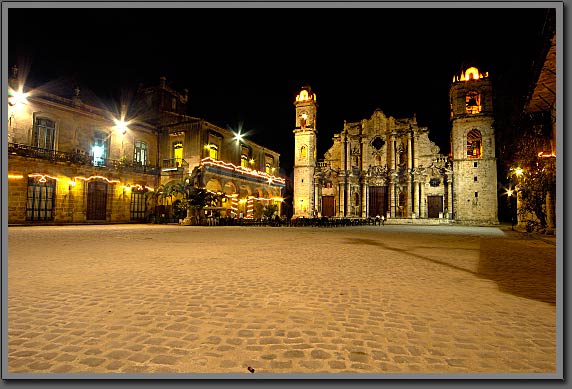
475	172
70	201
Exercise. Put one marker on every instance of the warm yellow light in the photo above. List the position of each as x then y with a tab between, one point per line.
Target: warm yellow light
237	136
42	177
94	177
509	192
121	125
72	183
242	201
519	171
17	97
15	176
251	161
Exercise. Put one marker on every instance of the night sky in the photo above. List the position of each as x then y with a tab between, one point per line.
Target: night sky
244	66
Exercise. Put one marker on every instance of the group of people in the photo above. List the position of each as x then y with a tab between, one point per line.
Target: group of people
380	220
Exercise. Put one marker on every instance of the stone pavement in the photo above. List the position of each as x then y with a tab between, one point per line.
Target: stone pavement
367	299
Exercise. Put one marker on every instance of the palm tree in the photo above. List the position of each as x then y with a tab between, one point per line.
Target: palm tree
194	197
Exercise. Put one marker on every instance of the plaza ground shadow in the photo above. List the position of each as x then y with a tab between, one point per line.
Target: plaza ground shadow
524	271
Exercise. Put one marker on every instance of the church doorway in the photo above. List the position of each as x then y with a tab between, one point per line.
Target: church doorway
434	206
328	206
377	201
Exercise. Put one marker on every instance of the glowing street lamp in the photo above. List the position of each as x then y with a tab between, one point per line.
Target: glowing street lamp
17	97
121	125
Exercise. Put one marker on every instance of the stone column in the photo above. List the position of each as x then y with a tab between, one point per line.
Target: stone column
449	194
364	198
317	202
422	200
414	198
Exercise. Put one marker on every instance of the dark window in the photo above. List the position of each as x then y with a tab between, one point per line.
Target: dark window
40	199
44	133
475	178
475	164
476	194
434	182
377	143
138	205
140	152
474	144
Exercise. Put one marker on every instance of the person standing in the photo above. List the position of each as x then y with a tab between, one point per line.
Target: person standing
382	220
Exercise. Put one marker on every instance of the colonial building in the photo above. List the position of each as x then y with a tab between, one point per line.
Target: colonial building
73	162
245	172
387	166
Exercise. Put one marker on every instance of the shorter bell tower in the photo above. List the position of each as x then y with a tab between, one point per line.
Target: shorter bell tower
304	153
473	148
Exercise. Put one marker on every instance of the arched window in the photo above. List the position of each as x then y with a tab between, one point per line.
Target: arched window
243	160
303	152
473	102
268	168
474	144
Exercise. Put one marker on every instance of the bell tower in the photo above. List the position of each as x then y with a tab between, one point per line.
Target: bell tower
304	152
473	148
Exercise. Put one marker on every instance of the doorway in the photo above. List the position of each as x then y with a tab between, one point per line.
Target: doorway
96	200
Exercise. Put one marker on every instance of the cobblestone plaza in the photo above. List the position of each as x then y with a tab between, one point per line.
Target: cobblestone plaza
363	299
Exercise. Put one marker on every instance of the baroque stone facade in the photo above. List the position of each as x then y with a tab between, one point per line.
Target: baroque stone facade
387	166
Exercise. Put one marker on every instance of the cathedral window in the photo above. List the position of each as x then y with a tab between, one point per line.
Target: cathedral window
377	143
473	102
474	144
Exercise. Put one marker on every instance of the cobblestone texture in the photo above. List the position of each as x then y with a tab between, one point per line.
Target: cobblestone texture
392	299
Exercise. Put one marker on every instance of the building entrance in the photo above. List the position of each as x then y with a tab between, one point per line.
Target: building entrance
96	200
377	201
434	206
328	206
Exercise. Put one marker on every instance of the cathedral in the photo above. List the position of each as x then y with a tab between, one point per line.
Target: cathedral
387	166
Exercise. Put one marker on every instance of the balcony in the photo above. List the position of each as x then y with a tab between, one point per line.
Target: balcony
79	159
174	165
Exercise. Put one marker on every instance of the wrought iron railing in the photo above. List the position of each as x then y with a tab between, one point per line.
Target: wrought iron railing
79	159
174	164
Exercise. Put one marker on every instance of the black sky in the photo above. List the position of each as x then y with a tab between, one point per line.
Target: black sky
246	65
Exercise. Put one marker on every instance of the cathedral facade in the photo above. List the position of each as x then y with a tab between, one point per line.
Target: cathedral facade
387	166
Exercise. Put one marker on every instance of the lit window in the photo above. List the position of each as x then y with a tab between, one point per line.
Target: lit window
44	132
99	148
174	104
303	152
178	153
213	151
268	168
473	102
243	160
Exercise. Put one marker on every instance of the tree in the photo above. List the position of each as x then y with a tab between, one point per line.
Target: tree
194	198
533	176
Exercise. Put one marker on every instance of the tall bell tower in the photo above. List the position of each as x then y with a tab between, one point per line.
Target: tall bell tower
473	148
304	153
